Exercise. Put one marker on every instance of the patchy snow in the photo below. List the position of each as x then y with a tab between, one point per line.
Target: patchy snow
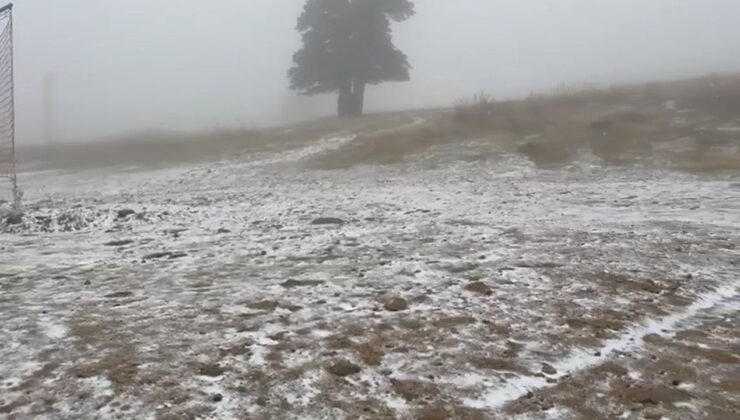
582	359
222	264
729	129
53	329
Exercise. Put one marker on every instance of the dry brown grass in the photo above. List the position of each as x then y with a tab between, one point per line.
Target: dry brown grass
387	146
161	149
632	125
627	125
144	151
475	111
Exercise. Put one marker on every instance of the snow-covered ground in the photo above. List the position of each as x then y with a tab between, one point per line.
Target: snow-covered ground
259	288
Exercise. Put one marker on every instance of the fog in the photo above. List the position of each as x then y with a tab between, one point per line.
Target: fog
119	67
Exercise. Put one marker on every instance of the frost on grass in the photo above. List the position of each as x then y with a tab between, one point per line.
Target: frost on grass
451	292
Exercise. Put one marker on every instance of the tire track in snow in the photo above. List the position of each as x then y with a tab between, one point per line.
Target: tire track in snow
323	145
580	360
331	143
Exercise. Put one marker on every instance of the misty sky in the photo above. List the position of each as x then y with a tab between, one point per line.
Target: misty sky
137	66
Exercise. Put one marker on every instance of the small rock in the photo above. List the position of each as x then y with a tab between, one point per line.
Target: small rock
635	407
211	369
157	255
223	230
14	218
461	268
343	368
118	295
290	284
175	232
654	413
478	287
264	305
548	369
122	242
278	336
396	304
327	221
123	213
165	254
217	398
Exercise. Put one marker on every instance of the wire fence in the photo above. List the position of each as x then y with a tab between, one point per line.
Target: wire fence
7	104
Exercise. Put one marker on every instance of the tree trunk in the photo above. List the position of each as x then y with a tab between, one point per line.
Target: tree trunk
358	96
345	101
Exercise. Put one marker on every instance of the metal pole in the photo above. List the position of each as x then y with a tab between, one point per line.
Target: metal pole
14	166
49	108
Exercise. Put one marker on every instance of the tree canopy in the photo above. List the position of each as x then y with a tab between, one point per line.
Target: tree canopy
346	45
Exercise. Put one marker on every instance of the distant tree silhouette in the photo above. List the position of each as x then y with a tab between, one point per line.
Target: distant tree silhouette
348	44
